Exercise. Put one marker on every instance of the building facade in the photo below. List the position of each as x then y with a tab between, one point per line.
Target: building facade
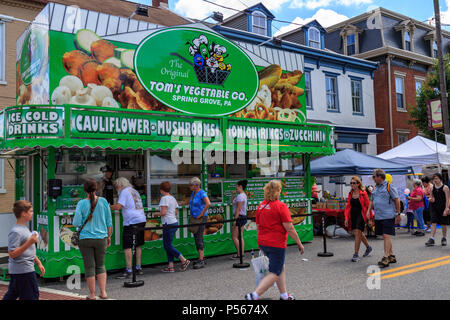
339	88
405	50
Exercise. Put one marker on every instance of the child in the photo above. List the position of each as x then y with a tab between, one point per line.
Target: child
22	256
409	213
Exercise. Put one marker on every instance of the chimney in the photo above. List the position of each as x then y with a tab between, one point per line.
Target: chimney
160	4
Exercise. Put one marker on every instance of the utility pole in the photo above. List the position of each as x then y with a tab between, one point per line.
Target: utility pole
443	86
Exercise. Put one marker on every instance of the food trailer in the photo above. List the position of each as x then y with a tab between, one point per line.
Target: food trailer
154	104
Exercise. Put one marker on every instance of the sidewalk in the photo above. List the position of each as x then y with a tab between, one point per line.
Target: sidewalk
46	294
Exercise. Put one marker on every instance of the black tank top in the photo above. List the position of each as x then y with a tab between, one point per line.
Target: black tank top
439	199
108	191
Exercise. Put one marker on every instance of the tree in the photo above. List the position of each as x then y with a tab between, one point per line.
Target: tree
428	91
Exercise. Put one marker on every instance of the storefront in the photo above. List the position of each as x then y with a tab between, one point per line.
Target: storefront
83	103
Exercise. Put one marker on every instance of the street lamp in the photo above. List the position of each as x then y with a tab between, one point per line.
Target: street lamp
141	10
216	16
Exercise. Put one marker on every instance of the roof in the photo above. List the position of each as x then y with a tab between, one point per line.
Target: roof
350	162
256	7
418	151
385	12
161	16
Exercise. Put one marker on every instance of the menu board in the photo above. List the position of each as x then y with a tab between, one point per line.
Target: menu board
292	188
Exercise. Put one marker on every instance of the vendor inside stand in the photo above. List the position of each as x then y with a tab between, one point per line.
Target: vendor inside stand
105	187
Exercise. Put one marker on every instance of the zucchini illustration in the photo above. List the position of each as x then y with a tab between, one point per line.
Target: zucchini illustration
127	59
84	38
113	61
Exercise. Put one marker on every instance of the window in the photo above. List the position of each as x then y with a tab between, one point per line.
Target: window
357	96
351	44
407	40
402	137
2	53
314	38
162	168
2	176
358	147
400	93
419	84
308	89
435	50
332	94
259	23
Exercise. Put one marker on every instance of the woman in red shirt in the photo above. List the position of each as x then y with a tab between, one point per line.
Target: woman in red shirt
274	223
355	215
417	204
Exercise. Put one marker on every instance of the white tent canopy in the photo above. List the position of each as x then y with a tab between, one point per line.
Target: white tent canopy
417	152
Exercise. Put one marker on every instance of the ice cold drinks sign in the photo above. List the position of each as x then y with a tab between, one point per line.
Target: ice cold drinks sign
196	71
34	122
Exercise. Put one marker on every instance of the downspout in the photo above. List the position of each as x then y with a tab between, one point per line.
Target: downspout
391	130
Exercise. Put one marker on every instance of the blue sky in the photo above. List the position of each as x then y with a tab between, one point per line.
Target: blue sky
327	12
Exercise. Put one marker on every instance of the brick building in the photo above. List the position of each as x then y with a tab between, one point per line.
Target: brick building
405	50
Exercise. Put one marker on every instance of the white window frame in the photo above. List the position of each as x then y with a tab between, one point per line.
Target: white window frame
2	176
314	41
402	77
335	94
259	15
3	52
354	35
434	49
359	97
419	80
402	134
410	36
308	90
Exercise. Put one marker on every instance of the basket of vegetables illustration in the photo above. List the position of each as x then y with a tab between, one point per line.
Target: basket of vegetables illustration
211	75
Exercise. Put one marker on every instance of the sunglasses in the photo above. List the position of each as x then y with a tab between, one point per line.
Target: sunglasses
354	182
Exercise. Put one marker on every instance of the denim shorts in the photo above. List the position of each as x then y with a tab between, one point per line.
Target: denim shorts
276	258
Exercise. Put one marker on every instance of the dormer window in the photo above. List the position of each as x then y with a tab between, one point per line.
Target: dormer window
350	38
314	38
408	41
407	28
259	23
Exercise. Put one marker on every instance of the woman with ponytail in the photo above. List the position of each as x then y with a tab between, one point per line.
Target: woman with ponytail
239	200
95	237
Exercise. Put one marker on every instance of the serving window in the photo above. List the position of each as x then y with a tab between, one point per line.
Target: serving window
162	168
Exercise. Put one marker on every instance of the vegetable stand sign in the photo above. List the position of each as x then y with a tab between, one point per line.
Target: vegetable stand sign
196	71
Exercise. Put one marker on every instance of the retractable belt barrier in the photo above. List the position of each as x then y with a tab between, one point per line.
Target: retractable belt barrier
134	283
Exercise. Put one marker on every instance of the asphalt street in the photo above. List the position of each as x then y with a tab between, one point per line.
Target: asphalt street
420	273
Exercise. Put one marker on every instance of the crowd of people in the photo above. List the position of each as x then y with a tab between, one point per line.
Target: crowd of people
379	206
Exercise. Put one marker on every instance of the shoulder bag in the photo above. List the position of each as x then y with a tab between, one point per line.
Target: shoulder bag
75	239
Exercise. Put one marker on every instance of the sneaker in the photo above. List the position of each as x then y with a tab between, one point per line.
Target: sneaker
140	272
199	264
368	251
420	234
430	243
290	297
392	259
355	258
384	262
125	275
444	242
250	296
428	230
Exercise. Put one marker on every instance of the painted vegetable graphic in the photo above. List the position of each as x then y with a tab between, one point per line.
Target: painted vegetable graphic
100	74
102	50
73	60
84	39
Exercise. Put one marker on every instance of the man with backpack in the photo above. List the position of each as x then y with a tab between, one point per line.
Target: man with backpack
386	204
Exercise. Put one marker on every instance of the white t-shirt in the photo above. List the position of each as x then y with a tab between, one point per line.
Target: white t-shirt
171	203
133	209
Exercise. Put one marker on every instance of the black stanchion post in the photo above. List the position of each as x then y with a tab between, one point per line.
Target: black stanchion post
324	253
241	263
134	283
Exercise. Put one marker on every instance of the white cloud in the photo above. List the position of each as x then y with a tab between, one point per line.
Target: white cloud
314	4
199	9
325	17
